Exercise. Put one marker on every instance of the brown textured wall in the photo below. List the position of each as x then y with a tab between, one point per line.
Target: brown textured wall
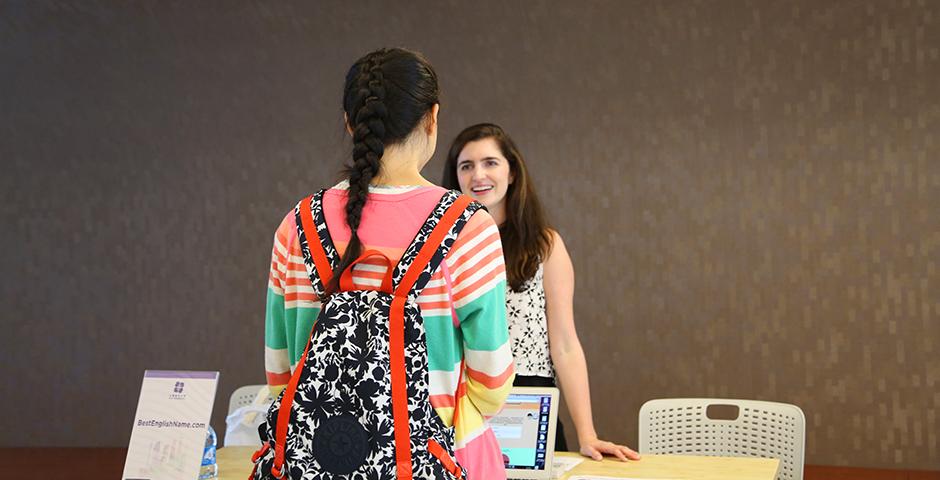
749	191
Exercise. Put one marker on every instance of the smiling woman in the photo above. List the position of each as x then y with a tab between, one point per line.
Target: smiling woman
484	173
523	230
485	163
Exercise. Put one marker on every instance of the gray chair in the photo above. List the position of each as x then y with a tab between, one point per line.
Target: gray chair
241	428
247	395
692	426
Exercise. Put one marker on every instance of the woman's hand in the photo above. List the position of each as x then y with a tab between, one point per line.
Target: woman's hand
596	448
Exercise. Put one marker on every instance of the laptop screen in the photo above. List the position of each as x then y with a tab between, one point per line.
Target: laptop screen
522	429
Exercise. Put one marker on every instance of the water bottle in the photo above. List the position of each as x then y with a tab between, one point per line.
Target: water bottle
209	469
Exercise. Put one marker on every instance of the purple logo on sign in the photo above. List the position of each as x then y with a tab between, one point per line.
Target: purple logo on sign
178	391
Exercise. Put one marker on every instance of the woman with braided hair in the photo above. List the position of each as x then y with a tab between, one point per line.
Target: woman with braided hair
391	110
485	163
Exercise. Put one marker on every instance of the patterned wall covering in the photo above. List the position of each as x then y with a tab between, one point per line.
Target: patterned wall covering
749	191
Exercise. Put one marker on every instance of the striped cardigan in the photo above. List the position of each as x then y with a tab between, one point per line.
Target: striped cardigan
463	307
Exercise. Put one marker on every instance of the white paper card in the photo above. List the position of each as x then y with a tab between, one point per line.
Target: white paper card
561	465
595	477
170	426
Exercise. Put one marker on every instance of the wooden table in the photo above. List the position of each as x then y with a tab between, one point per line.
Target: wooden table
235	464
679	467
95	463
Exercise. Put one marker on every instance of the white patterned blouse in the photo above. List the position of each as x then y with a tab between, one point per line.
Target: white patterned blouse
528	328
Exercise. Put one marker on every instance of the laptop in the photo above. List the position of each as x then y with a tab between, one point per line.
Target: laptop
525	429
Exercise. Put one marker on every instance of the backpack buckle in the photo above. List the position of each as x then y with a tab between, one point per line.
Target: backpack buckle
278	468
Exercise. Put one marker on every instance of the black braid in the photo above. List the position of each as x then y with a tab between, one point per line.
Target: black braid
367	121
386	96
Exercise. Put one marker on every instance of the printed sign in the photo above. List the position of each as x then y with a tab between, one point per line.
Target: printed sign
170	426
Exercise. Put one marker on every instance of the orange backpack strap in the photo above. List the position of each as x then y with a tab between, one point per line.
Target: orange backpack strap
447	221
397	335
311	242
283	416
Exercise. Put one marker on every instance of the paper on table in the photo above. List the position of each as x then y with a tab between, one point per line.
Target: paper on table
560	465
593	477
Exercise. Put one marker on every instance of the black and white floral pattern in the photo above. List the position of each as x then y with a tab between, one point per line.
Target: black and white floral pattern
319	219
346	373
422	236
528	327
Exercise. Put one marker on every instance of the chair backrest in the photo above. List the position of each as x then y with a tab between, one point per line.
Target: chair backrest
761	429
246	395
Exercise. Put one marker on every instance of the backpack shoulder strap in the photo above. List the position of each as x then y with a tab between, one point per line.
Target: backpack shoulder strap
422	257
432	242
315	242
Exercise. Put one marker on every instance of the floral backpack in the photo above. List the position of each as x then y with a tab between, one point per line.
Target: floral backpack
357	405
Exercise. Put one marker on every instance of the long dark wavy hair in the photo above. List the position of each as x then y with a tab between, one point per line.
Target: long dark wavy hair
526	234
388	93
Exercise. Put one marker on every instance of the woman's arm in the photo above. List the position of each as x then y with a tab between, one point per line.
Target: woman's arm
568	356
276	358
291	309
